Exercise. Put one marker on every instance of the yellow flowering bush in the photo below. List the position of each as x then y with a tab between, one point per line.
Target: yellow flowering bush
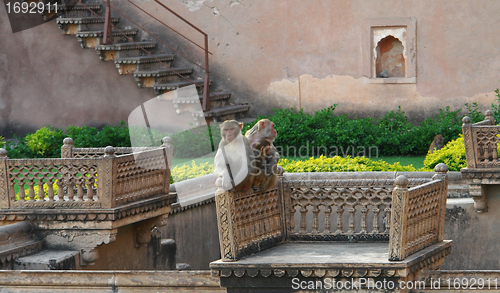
184	172
452	154
321	164
340	164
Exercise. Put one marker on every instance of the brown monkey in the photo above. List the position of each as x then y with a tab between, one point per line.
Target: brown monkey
264	129
261	150
437	143
233	161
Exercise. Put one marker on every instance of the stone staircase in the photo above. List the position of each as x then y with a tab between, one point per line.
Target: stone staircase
151	69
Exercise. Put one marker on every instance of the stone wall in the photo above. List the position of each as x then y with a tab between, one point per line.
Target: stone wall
302	54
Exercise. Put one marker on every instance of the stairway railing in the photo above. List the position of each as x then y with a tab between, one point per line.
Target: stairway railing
107	39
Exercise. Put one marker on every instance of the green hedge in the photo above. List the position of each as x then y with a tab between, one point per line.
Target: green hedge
328	134
299	134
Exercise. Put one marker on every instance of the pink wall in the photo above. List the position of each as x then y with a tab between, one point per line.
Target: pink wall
269	53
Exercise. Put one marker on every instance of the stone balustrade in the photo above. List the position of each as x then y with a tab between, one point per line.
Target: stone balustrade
374	228
481	150
80	201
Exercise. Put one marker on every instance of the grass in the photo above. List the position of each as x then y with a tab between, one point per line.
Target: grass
416	161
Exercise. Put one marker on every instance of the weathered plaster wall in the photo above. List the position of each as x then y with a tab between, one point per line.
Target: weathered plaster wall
309	53
268	53
46	78
475	236
196	234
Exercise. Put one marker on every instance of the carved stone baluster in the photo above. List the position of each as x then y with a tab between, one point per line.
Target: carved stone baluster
328	221
12	191
69	185
340	226
303	220
352	224
79	188
41	192
50	190
60	188
89	182
31	190
387	220
364	225
315	223
22	194
376	225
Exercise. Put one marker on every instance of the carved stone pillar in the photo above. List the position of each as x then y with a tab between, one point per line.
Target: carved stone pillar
67	148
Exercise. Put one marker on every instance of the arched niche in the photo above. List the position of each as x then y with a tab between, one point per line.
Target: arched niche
390	57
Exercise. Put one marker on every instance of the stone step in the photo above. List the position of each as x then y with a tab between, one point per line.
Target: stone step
65	10
148	78
90	39
217	99
18	240
49	260
72	25
230	112
112	51
78	10
214	98
162	88
128	65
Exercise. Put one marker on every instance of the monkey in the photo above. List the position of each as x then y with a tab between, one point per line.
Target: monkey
233	160
262	150
264	129
437	143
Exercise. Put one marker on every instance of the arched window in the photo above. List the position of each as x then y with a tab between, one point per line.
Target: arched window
390	60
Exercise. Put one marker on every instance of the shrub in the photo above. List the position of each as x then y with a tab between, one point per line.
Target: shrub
46	142
185	172
340	164
452	154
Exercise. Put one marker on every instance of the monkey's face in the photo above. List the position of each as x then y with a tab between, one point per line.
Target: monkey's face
267	128
230	132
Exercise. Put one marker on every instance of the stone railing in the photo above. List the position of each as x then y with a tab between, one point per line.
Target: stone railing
481	151
79	203
370	210
70	183
481	142
69	151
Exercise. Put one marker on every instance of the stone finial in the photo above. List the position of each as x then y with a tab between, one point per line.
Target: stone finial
401	181
68	141
441	168
167	141
3	153
218	184
109	151
466	120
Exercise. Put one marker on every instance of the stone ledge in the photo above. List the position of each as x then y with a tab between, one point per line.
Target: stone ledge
338	260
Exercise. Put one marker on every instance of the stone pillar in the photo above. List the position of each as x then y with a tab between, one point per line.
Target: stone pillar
67	148
4	180
399	217
105	171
